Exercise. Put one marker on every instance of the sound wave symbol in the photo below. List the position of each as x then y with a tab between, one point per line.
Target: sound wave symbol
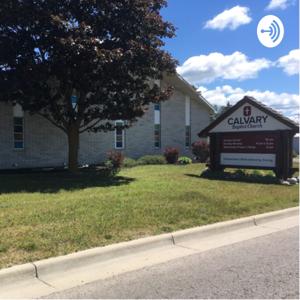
274	31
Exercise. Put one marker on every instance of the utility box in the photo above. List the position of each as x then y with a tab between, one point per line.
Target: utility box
250	135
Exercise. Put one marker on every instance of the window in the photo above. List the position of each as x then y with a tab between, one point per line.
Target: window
157	130
119	135
187	136
74	102
187	122
18	123
157	136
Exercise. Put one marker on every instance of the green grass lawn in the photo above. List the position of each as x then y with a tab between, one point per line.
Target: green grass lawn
48	214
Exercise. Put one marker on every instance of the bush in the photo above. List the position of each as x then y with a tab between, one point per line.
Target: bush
171	155
240	172
257	173
184	160
114	162
201	150
151	160
130	162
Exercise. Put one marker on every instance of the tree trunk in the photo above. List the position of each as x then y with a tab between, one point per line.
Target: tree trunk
73	139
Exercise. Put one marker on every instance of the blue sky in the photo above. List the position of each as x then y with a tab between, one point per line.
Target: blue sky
240	63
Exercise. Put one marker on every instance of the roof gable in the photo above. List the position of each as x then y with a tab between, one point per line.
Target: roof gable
181	84
249	115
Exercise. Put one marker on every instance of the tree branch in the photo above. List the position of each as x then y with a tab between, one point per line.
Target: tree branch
90	126
53	122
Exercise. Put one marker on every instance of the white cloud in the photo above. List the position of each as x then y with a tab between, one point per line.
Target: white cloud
290	62
278	4
207	68
231	18
287	104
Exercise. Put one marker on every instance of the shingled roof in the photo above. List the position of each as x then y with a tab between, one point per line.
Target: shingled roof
259	105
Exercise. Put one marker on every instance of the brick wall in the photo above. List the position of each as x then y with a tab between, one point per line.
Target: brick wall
46	145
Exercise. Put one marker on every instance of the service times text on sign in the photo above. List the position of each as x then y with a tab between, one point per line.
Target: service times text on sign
241	149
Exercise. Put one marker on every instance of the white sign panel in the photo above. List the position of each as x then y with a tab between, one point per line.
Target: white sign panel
249	118
248	159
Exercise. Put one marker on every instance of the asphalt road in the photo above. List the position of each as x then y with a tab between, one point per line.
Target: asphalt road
264	267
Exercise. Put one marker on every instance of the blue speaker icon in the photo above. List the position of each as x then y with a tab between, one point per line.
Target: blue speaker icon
274	31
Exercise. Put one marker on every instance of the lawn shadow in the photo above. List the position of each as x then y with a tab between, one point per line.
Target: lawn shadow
236	177
54	181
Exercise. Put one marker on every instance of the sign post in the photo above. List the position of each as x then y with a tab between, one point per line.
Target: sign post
251	135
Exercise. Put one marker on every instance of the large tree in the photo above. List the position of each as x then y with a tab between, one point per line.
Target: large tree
106	54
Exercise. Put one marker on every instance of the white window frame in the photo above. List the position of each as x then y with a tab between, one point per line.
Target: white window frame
123	135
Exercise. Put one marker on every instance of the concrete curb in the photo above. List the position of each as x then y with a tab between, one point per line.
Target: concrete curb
273	216
72	261
17	273
212	229
57	265
226	226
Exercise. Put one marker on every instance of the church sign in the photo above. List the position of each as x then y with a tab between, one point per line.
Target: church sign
261	149
251	135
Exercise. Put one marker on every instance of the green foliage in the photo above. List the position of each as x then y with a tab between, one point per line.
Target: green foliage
241	175
62	213
201	150
3	248
184	160
144	160
114	162
130	162
108	236
151	160
28	246
240	172
101	52
171	155
108	164
258	173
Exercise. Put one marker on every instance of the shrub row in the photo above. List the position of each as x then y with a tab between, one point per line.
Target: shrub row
116	159
144	160
153	160
200	149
